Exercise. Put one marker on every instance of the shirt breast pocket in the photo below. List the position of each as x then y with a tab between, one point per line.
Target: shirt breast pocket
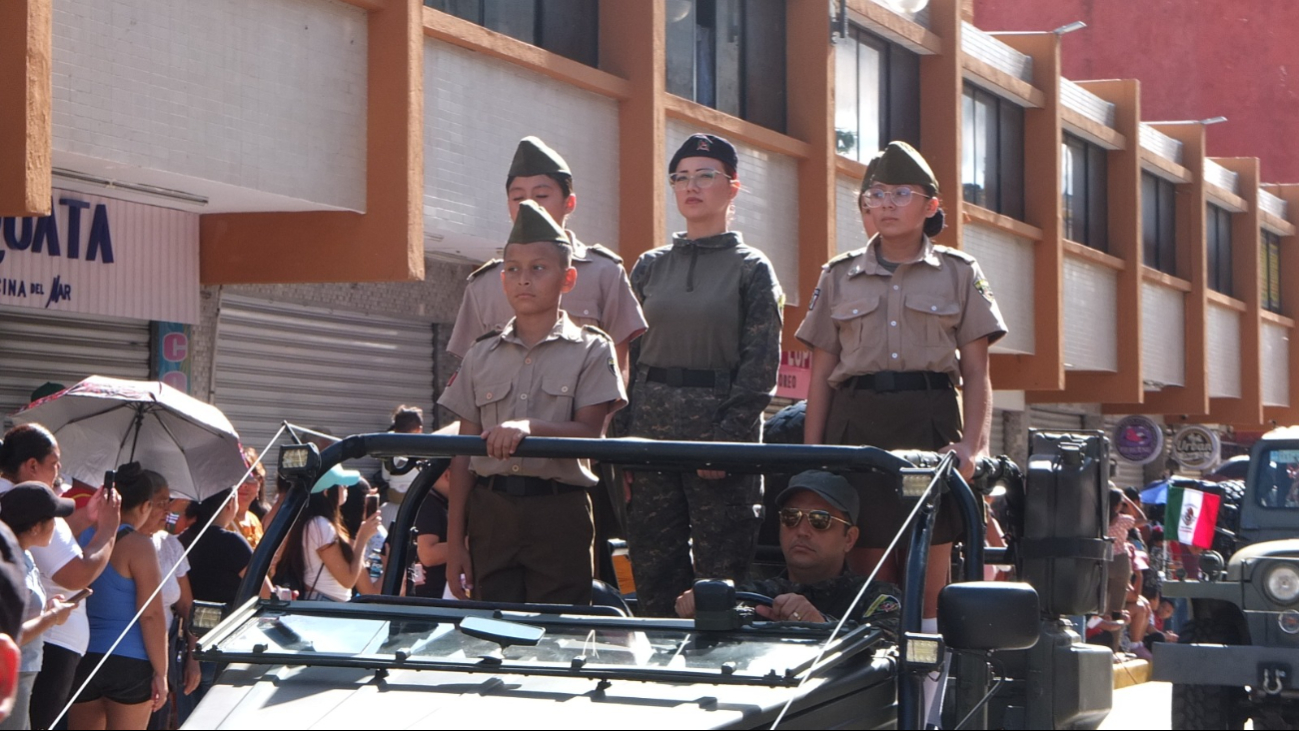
493	408
858	322
931	321
558	394
583	311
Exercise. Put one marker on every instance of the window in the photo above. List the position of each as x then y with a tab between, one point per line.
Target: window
1158	223
876	95
569	28
992	155
1086	217
1217	241
1270	271
729	55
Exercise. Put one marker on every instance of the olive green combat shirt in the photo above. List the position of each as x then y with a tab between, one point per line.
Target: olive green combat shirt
713	304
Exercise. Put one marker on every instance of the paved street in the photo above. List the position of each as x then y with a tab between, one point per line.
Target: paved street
1143	706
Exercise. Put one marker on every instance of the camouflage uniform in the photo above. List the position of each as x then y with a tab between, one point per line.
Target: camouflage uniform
879	605
713	305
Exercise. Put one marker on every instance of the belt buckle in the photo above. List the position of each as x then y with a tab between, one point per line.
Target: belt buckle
676	377
885	382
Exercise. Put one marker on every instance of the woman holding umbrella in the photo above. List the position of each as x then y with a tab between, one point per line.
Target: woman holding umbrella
30	452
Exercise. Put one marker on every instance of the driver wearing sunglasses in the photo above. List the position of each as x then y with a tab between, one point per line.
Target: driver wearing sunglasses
816	532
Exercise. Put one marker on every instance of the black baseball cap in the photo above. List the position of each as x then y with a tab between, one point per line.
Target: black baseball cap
29	503
833	488
701	145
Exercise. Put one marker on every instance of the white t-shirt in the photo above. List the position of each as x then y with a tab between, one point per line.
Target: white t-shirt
320	533
170	553
74	634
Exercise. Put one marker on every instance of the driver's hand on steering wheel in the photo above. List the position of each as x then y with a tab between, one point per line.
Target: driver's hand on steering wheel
788	607
686	605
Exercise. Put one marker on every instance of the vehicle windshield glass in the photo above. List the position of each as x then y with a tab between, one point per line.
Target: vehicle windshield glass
1277	480
341	634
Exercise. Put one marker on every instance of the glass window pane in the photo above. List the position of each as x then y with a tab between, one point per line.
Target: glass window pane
1097	197
985	122
763	75
728	29
1010	159
869	90
681	48
902	95
847	134
514	18
971	174
1150	220
467	9
1167	227
571	28
1067	188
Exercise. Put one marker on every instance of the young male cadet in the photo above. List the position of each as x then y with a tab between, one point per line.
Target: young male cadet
602	295
528	520
816	533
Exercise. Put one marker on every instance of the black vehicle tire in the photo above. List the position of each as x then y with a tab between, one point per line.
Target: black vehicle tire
1204	707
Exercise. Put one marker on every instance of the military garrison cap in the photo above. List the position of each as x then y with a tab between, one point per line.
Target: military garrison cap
870	168
533	224
900	164
701	145
534	157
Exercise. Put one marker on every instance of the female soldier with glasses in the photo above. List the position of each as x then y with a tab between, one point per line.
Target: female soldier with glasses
895	328
704	371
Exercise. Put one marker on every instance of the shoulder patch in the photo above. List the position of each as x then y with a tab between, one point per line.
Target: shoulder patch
605	252
597	332
954	253
883	604
841	258
486	267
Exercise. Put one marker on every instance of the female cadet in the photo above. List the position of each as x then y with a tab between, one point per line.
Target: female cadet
704	371
894	329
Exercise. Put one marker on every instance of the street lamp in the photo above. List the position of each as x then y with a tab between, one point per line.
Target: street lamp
910	7
1069	28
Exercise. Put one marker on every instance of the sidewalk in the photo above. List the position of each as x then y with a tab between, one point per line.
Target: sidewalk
1130	673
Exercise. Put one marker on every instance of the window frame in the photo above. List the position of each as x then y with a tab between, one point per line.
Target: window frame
552	27
1217	248
1158	226
898	100
1002	188
1270	271
1086	215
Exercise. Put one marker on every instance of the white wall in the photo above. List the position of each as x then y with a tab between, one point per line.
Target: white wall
766	211
224	98
476	111
1163	334
1276	365
1224	351
1090	299
1007	262
849	233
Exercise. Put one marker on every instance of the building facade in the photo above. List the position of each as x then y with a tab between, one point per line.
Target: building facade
340	166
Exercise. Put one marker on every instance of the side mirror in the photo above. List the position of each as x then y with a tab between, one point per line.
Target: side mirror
986	615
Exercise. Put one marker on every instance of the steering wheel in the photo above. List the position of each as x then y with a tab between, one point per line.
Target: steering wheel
749	597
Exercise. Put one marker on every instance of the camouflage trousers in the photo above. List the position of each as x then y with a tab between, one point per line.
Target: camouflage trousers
681	527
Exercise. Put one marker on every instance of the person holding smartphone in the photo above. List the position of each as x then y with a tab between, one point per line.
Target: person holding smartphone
29	509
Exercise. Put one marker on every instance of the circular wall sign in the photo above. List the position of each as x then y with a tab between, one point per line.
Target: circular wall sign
1195	447
1138	439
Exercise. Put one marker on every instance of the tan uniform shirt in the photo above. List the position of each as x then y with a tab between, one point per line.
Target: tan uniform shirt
913	319
502	379
601	297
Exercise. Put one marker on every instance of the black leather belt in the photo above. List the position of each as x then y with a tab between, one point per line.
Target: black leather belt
888	381
519	486
679	377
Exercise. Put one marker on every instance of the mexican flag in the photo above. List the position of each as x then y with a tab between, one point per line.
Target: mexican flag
1191	516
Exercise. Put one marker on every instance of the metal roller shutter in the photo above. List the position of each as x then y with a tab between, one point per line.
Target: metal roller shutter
1040	418
37	347
997	434
339	371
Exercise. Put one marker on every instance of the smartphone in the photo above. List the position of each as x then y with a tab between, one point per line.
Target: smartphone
371	505
79	596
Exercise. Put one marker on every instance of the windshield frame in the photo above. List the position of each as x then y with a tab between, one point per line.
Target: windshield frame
853	643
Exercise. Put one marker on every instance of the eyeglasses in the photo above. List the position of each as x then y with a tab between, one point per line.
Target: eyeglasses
818	519
701	180
876	197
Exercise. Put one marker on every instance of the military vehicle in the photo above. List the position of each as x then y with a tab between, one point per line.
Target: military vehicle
410	662
1237	658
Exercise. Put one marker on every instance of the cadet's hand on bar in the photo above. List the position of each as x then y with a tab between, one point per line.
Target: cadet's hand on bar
504	438
965	455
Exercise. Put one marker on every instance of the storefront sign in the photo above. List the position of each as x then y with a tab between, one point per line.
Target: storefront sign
1138	439
1195	447
794	375
171	356
102	256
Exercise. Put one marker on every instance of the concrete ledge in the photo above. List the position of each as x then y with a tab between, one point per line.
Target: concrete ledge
1132	672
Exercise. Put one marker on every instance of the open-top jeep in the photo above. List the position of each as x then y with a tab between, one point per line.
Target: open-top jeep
422	663
1238	657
